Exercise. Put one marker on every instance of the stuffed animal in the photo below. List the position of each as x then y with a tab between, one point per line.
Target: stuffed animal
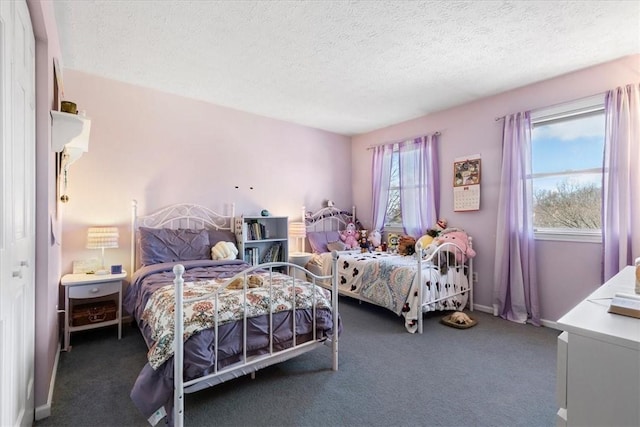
392	244
406	245
350	237
460	318
440	226
253	281
224	250
365	245
459	238
432	233
425	241
376	239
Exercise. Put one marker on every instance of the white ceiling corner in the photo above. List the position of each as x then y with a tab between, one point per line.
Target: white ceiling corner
344	66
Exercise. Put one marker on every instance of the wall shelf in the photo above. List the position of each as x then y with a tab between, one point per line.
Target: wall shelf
69	131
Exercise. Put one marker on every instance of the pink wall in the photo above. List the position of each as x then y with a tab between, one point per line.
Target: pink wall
162	149
567	272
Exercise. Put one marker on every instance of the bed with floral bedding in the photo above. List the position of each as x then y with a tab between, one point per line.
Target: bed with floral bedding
234	319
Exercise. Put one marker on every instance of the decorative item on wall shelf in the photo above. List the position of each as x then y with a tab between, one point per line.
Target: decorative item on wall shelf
69	107
264	212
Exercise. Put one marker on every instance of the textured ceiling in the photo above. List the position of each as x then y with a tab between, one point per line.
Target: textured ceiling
344	66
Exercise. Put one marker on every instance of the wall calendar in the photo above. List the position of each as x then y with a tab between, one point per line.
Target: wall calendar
466	183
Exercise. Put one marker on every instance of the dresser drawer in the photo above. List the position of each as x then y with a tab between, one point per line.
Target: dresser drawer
94	290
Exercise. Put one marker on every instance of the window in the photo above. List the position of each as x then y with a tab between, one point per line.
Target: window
394	209
567	154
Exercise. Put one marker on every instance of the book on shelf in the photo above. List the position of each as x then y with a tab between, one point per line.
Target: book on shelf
251	255
273	253
626	305
255	230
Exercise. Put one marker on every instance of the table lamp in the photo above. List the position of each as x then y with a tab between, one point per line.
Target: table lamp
101	238
298	231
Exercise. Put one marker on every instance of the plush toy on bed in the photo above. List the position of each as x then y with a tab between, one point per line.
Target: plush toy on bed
365	245
224	250
375	239
406	245
440	226
460	238
253	281
350	237
432	233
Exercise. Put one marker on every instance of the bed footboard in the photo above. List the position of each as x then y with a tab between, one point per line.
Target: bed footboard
250	363
446	257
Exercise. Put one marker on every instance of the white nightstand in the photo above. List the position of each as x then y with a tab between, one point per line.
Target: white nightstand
301	259
84	287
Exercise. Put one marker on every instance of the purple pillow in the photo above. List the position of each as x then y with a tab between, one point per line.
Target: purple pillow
319	240
158	245
216	236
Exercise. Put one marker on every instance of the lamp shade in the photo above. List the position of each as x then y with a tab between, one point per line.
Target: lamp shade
102	237
297	229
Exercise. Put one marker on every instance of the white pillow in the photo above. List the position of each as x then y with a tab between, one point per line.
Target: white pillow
224	250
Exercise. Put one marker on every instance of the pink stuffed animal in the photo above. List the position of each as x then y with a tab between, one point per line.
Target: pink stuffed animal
459	238
350	237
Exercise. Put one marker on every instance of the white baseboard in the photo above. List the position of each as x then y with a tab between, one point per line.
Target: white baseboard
483	308
43	411
487	309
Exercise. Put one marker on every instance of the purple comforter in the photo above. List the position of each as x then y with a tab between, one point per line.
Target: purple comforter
153	389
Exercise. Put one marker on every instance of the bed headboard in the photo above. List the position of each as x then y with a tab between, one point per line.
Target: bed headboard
178	216
330	218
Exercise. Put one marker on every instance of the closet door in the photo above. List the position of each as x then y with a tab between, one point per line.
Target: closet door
17	234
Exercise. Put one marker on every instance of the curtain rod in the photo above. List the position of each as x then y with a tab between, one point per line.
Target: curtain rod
371	147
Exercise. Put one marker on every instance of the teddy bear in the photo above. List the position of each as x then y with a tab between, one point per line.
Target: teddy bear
406	245
459	238
253	281
350	237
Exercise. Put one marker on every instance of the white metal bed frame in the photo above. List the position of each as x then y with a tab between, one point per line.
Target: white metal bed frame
332	218
329	218
199	217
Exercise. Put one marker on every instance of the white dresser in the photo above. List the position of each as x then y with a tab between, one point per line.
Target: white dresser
599	361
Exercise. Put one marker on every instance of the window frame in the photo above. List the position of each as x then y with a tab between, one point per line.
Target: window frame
395	158
579	108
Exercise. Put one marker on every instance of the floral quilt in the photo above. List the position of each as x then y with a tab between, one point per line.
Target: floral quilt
390	281
382	278
277	292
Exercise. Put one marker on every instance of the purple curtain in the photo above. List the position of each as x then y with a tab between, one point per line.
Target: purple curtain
380	179
515	289
419	187
621	180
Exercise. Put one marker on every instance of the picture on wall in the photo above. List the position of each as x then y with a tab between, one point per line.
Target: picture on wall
466	183
466	172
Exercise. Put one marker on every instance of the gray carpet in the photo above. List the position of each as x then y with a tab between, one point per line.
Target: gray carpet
497	373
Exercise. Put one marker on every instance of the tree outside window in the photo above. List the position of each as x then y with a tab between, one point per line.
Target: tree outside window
567	154
394	209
